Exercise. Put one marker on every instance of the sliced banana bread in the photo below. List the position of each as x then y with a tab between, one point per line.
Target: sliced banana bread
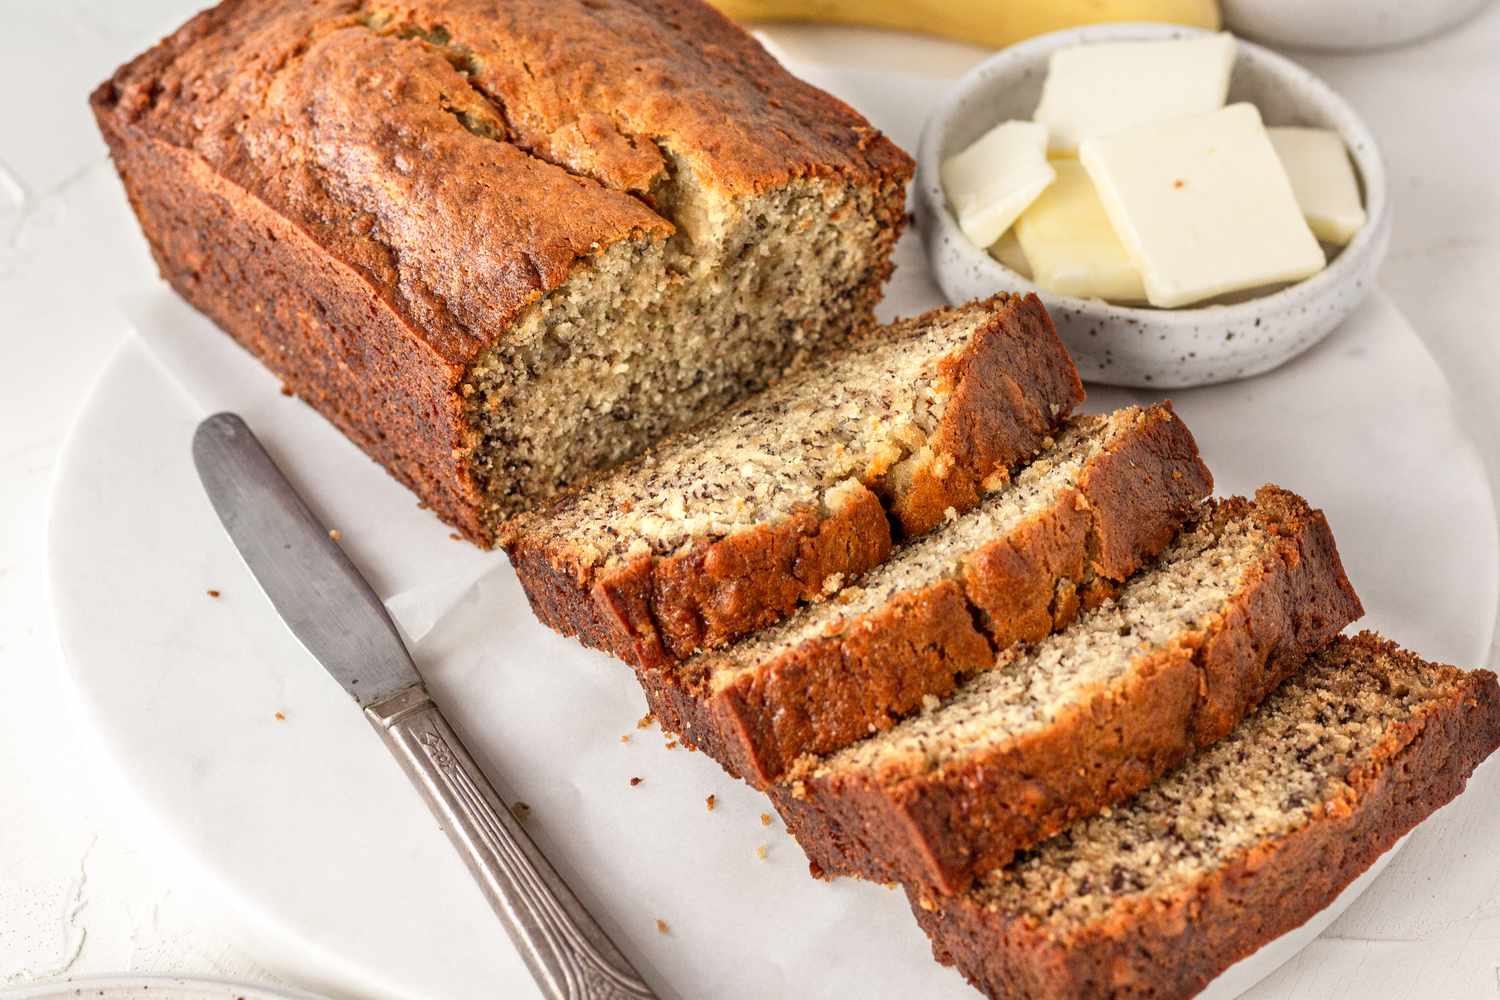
1245	842
1087	716
1087	512
726	528
504	245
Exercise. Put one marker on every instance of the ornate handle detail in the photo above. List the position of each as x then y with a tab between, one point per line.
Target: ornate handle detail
566	950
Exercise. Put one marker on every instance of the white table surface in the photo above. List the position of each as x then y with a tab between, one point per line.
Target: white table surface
90	884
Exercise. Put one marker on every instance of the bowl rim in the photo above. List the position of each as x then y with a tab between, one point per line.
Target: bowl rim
1359	141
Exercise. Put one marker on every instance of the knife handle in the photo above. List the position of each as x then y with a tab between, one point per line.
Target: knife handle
566	950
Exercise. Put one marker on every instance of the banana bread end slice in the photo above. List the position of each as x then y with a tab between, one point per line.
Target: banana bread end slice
1244	843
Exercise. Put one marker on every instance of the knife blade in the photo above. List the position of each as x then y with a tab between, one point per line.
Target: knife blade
334	613
319	593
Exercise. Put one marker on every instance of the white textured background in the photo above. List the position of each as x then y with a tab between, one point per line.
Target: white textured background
90	884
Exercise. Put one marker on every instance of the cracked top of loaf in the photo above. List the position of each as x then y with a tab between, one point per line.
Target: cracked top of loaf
464	155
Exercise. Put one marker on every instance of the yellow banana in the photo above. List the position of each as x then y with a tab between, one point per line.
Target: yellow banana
994	23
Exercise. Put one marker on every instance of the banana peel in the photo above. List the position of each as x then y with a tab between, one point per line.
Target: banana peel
992	23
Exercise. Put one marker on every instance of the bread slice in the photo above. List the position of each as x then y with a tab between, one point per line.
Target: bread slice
1245	842
780	499
1086	513
1088	716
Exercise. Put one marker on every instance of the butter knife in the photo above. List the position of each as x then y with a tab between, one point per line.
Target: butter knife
331	609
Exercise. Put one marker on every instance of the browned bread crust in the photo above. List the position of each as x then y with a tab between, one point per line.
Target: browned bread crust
938	829
868	670
368	196
1167	947
1007	390
655	609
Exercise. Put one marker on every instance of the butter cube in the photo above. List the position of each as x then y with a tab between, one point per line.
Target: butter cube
1094	90
1202	205
991	183
1007	250
1072	248
1323	181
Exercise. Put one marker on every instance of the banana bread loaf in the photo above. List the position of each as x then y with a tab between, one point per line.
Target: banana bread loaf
785	496
1087	716
1245	842
1081	517
501	245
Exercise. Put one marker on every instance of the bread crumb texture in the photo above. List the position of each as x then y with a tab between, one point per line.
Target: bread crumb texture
1031	687
801	445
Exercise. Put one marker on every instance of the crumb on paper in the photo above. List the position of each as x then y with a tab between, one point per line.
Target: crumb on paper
636	781
1177	184
709	802
662	927
280	716
520	810
286	390
765	819
760	852
455	536
672	744
644	722
625	738
213	593
335	534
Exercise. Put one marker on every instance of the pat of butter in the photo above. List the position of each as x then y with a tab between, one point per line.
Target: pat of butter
1072	248
1007	250
1094	90
1323	181
991	183
1202	205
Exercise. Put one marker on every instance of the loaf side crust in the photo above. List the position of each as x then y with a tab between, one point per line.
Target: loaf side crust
829	691
937	831
646	610
314	321
875	668
1173	947
1011	387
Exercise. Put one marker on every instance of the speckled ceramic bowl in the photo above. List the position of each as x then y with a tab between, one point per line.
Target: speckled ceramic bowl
1138	346
1345	25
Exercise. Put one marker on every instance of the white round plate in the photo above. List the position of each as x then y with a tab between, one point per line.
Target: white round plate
307	819
149	988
